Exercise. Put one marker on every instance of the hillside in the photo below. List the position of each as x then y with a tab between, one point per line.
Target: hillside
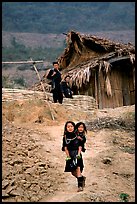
35	40
46	47
59	17
33	163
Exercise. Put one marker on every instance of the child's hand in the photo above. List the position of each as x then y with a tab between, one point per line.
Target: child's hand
68	158
78	156
79	137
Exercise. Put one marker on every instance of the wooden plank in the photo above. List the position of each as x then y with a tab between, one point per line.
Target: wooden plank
116	82
96	90
132	87
23	62
115	59
99	91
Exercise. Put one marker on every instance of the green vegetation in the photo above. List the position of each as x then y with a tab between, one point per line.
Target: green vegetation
14	82
20	81
19	51
55	18
59	17
6	82
124	197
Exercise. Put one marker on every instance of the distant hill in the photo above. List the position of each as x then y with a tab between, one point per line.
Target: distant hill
59	17
35	40
46	47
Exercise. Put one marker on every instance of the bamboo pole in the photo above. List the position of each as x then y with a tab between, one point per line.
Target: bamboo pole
23	62
43	88
33	62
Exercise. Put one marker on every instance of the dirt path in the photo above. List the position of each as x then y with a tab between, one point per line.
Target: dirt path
68	188
104	182
109	158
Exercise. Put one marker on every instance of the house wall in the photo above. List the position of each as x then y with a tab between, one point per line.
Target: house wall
116	99
121	79
122	87
132	86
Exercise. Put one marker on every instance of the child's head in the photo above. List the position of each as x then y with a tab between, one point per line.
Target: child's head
81	127
69	127
67	78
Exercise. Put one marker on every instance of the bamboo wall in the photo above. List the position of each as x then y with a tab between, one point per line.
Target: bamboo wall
122	86
122	83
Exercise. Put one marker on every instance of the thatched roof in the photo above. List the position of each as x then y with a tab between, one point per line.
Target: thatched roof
85	47
87	52
84	53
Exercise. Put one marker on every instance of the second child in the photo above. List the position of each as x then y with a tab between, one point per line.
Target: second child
81	132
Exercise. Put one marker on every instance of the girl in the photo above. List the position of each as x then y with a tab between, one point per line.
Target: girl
72	148
81	131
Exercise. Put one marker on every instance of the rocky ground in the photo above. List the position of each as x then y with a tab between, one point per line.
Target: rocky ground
33	163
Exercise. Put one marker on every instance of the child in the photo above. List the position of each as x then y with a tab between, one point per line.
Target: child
74	160
66	90
81	130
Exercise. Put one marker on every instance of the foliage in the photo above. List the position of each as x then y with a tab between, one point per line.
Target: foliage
19	51
16	82
20	81
59	17
6	83
124	197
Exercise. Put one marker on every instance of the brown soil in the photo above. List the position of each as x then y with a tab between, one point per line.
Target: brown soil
33	163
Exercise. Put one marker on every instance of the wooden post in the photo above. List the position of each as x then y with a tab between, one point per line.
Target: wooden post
96	89
23	62
43	89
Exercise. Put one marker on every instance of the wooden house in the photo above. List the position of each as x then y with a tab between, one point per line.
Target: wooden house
100	68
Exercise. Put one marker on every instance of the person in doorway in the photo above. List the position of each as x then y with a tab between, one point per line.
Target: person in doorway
55	75
66	90
74	161
81	132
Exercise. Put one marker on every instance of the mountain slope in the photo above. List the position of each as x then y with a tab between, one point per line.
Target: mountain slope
58	17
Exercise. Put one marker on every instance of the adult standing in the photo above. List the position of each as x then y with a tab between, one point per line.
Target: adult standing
55	75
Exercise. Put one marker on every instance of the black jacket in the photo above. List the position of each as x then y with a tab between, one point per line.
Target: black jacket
66	90
71	142
56	79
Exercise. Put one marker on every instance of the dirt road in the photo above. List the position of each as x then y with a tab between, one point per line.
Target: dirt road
104	181
33	162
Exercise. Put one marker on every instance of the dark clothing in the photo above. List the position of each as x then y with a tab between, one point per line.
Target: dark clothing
57	95
56	87
72	143
66	90
83	141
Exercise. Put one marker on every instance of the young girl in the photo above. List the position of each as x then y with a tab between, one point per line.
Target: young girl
74	161
81	131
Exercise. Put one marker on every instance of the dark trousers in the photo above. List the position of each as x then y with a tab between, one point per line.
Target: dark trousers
57	96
